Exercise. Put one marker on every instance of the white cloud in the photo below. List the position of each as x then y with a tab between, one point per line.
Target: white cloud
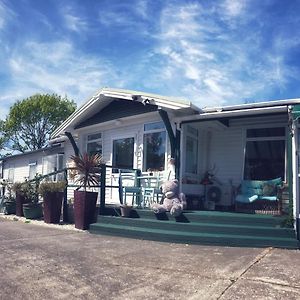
6	14
233	8
130	17
141	8
204	58
73	21
55	68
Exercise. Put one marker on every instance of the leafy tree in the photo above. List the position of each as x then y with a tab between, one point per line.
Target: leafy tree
3	139
31	121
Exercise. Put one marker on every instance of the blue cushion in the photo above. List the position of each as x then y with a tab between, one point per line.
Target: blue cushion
246	198
276	181
269	198
253	187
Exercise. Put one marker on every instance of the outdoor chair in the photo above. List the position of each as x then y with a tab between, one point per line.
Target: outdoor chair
260	196
129	188
151	192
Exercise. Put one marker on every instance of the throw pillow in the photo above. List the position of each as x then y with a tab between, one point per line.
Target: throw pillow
269	190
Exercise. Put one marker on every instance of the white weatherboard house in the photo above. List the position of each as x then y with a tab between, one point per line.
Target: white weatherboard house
24	166
136	130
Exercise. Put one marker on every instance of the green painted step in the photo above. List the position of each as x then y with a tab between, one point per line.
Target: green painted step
201	227
211	217
192	237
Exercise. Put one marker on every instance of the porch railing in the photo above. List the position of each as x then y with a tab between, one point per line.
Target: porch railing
101	187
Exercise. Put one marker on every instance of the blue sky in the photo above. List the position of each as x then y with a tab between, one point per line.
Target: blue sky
211	52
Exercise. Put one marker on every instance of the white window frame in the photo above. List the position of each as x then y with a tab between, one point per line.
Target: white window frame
94	140
30	164
195	138
56	167
11	169
166	142
121	137
274	138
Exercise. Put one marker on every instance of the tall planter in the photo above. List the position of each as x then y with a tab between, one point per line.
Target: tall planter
84	208
52	207
20	200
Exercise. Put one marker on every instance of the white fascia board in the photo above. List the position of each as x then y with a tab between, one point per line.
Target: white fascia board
162	101
158	100
234	113
59	139
59	130
253	105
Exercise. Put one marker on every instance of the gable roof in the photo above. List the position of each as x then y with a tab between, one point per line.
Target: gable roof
107	95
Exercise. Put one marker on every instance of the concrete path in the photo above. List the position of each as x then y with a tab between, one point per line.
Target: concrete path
38	262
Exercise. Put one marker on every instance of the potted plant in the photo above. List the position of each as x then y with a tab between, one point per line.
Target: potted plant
125	210
9	202
71	210
86	173
52	193
32	209
18	189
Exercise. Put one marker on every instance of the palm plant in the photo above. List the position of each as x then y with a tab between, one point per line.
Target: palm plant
86	169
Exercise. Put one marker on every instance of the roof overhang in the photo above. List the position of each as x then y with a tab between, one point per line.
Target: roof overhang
233	114
106	95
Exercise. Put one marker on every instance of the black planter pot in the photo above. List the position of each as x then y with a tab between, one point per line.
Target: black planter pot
10	207
20	200
32	210
52	207
84	208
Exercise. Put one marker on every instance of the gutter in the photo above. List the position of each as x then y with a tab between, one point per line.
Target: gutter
58	140
232	113
253	105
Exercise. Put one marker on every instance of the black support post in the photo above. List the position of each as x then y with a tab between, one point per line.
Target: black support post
65	201
72	141
177	154
165	118
102	189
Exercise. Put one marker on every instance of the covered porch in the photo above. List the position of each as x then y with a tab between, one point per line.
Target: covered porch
235	161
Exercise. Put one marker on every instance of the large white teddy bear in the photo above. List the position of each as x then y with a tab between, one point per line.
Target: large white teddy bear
172	200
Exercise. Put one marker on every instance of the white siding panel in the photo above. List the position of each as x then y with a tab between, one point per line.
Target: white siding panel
21	166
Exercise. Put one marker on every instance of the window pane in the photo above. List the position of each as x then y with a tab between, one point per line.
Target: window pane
11	174
94	147
191	155
154	151
154	126
265	132
123	150
32	171
264	160
192	130
95	136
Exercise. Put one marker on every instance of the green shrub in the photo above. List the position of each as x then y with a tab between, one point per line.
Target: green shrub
51	187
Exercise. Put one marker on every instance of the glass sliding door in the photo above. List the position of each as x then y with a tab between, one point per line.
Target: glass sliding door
154	147
123	153
265	154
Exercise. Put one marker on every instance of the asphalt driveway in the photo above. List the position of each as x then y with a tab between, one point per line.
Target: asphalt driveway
38	262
